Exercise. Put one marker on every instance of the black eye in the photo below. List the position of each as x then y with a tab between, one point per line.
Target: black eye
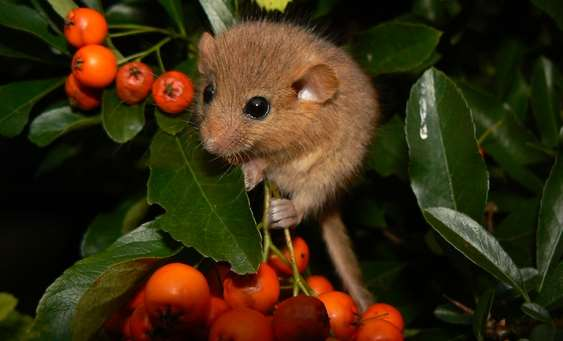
208	93
257	107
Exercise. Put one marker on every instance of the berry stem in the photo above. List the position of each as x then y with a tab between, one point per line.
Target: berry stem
299	284
141	55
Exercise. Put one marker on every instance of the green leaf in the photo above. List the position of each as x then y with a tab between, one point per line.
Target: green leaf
445	166
504	135
56	157
57	307
481	314
554	8
518	98
62	7
17	100
107	295
545	101
171	125
324	7
273	5
451	314
10	52
544	332
395	46
381	275
388	154
15	327
108	227
475	243
536	311
436	11
7	304
206	206
175	11
550	223
52	124
508	60
121	121
219	15
551	295
23	18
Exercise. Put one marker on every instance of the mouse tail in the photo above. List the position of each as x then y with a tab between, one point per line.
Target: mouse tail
344	259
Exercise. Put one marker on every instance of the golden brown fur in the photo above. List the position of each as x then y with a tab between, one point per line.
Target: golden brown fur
311	149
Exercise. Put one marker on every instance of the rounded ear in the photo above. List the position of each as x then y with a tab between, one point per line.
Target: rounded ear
318	84
206	48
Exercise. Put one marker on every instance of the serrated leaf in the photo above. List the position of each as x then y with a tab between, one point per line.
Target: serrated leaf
206	206
52	124
273	5
551	295
445	166
475	243
7	304
171	125
18	98
388	154
175	11
553	8
545	101
121	121
550	223
62	7
481	315
57	307
536	311
219	15
395	46
108	227
23	18
450	314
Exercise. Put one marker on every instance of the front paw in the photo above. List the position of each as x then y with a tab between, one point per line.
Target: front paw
283	214
253	173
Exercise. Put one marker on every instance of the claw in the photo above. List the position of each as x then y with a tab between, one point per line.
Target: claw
283	214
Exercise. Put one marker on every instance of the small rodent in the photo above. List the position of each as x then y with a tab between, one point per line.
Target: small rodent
289	106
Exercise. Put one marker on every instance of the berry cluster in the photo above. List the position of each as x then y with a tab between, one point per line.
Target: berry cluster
94	67
178	302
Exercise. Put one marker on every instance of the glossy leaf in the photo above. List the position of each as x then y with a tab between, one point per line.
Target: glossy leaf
56	122
481	314
7	304
108	227
175	11
23	18
550	223
171	125
388	154
551	295
395	47
121	121
554	8
545	101
58	306
7	51
219	15
381	275
518	98
505	136
62	7
451	314
206	206
273	5
536	311
17	100
478	245
445	166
